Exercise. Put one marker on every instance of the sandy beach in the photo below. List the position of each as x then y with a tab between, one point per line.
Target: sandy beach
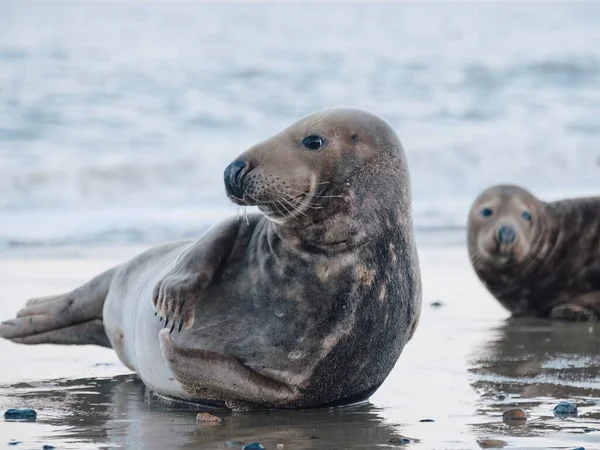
464	354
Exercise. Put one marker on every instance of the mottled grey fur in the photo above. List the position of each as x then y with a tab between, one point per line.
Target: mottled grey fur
553	268
309	304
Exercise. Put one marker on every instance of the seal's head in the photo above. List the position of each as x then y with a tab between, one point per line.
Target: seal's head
297	172
504	223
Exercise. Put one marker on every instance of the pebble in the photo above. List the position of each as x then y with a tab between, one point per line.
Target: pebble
500	397
491	443
579	448
48	447
565	409
426	420
254	446
399	440
280	446
233	443
13	442
437	304
206	417
27	415
514	415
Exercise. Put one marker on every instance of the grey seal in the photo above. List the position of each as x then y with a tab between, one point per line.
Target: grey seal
307	303
538	259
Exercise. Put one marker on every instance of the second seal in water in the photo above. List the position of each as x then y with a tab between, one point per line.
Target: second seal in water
537	258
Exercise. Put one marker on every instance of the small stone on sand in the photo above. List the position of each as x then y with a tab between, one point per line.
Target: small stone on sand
437	304
426	420
565	409
491	443
399	440
233	443
254	446
48	447
21	415
13	442
280	446
500	397
514	415
206	417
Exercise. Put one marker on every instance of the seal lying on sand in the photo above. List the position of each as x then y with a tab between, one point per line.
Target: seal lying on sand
308	304
538	259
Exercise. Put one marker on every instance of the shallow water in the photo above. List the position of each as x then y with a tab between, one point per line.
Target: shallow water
464	354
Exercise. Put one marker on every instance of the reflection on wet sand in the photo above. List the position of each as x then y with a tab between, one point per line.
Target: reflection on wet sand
122	412
533	364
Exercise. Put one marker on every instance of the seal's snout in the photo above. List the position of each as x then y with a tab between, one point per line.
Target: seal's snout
234	177
506	234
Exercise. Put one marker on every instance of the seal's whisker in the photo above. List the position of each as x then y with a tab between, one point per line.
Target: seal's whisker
274	206
304	203
288	211
312	184
286	202
314	196
293	206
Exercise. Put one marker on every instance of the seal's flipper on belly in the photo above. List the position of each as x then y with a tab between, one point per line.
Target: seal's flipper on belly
206	374
74	318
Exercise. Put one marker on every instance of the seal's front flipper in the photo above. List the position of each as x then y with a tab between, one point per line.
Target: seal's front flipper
573	313
206	374
174	296
74	318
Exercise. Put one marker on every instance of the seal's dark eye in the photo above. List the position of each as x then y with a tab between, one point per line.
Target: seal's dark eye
313	142
486	212
526	215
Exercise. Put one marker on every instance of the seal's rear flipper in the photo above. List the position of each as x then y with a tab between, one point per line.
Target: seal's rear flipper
86	333
205	374
74	318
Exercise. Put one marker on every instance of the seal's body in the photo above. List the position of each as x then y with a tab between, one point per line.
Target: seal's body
308	304
537	258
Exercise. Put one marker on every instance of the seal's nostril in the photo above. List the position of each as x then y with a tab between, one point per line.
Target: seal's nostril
506	234
233	177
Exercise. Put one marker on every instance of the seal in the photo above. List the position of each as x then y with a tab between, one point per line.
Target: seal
539	259
308	302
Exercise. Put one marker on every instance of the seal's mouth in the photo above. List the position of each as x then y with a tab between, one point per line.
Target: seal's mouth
503	254
238	201
280	199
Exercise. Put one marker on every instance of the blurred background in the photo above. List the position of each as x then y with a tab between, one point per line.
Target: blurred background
117	118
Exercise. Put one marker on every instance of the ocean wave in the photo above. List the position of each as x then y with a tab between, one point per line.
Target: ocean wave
121	108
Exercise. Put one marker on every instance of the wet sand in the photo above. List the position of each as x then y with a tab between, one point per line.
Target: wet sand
463	354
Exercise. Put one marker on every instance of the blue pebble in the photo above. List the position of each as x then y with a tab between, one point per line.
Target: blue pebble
254	446
13	442
565	409
579	448
48	447
28	415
